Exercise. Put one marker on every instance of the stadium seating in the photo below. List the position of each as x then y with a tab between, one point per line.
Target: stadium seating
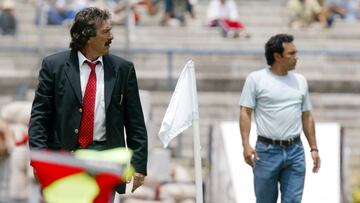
328	58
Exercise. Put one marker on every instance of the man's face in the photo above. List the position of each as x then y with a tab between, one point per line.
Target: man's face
289	57
100	44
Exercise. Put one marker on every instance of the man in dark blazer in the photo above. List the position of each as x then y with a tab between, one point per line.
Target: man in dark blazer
59	108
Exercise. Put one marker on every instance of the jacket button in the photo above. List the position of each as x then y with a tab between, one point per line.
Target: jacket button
76	131
80	110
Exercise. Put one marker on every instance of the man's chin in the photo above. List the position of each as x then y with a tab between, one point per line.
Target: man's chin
106	50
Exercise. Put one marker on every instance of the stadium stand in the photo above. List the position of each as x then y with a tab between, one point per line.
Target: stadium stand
330	59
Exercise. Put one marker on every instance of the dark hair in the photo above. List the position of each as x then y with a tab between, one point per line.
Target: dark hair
275	45
84	26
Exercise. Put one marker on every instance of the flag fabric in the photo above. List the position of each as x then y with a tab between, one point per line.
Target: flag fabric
183	106
85	176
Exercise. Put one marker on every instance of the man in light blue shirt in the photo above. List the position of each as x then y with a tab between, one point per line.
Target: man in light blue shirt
280	101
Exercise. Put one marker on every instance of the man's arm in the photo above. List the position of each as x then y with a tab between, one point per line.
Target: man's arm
245	126
136	130
42	110
309	131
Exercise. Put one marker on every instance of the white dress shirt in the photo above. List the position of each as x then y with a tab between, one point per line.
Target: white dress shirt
99	117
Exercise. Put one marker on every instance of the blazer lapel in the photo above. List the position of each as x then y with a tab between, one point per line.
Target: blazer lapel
73	74
110	75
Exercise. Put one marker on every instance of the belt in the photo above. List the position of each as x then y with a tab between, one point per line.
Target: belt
282	143
96	145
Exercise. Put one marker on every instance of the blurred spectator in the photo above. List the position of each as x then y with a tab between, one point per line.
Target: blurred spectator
6	145
118	9
78	5
6	140
353	10
223	14
7	18
17	115
119	13
150	6
176	9
63	11
57	12
333	10
303	13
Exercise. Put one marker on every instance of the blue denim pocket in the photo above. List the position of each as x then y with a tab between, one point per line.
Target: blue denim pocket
262	147
299	145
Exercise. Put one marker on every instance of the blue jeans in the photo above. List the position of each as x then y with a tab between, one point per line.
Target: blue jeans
284	165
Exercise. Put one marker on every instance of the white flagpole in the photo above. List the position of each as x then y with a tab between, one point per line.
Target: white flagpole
196	138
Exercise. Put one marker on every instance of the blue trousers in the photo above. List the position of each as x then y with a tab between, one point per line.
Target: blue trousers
284	166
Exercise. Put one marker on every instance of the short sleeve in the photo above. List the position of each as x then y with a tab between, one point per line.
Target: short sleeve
306	103
248	94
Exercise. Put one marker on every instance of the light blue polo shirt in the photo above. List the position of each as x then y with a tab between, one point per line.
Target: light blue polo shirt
277	101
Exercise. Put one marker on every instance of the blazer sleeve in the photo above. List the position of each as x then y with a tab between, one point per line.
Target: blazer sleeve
135	125
42	109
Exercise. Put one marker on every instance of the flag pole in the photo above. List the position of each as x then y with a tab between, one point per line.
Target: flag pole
196	138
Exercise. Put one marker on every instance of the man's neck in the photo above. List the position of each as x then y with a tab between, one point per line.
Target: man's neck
278	70
89	55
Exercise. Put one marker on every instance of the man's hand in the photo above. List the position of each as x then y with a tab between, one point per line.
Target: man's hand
250	155
317	162
138	180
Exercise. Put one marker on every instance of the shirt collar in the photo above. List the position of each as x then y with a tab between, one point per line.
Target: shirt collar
82	59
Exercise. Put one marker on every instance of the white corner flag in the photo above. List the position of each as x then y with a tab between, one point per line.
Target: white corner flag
183	106
181	113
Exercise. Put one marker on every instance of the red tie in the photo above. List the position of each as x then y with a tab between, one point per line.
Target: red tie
87	119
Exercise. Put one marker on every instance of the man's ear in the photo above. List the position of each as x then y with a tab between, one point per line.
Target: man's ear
88	41
277	56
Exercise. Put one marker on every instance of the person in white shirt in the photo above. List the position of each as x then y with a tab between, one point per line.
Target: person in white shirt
282	109
223	14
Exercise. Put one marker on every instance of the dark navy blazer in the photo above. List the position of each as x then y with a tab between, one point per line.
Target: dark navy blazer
57	107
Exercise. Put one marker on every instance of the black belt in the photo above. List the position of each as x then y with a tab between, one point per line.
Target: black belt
96	145
282	143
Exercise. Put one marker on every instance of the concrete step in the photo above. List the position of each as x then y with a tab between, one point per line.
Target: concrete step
205	82
238	65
